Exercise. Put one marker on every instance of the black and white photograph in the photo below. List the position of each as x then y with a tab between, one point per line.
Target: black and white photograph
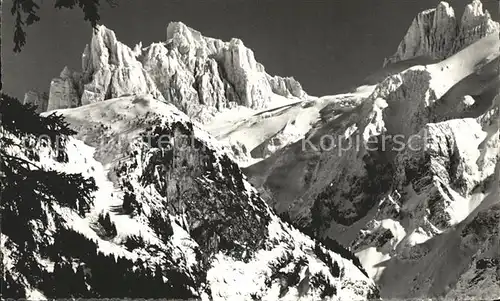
295	150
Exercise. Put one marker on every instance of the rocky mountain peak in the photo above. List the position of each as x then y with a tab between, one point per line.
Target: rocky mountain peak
473	11
437	33
180	35
66	73
199	75
107	50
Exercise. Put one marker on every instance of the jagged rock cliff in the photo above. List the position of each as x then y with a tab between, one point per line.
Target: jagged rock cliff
199	75
40	100
64	91
110	69
438	34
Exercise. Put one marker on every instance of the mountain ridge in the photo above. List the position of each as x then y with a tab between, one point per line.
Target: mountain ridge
200	75
422	220
380	202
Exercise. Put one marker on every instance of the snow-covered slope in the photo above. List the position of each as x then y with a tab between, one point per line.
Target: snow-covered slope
254	136
434	35
400	176
171	216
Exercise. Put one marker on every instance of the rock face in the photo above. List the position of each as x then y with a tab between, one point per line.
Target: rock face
110	69
199	75
37	99
481	237
437	34
191	70
163	222
286	86
64	91
399	177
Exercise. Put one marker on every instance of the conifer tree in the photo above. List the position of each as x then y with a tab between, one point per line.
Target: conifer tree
25	13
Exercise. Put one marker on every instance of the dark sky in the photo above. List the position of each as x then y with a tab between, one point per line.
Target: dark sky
328	45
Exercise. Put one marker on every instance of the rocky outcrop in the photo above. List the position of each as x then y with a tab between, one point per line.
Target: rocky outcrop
481	279
286	86
475	24
437	34
40	100
213	73
199	75
64	91
110	69
246	75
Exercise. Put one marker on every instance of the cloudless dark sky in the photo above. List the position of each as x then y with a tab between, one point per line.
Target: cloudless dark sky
328	45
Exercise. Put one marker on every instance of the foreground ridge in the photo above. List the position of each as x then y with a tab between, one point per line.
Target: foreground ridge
158	222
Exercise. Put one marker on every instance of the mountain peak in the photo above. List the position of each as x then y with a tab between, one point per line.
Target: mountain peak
444	9
177	27
475	9
200	75
437	34
474	15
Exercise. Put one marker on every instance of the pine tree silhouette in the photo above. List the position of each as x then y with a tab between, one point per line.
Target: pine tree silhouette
107	225
29	192
25	14
10	288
